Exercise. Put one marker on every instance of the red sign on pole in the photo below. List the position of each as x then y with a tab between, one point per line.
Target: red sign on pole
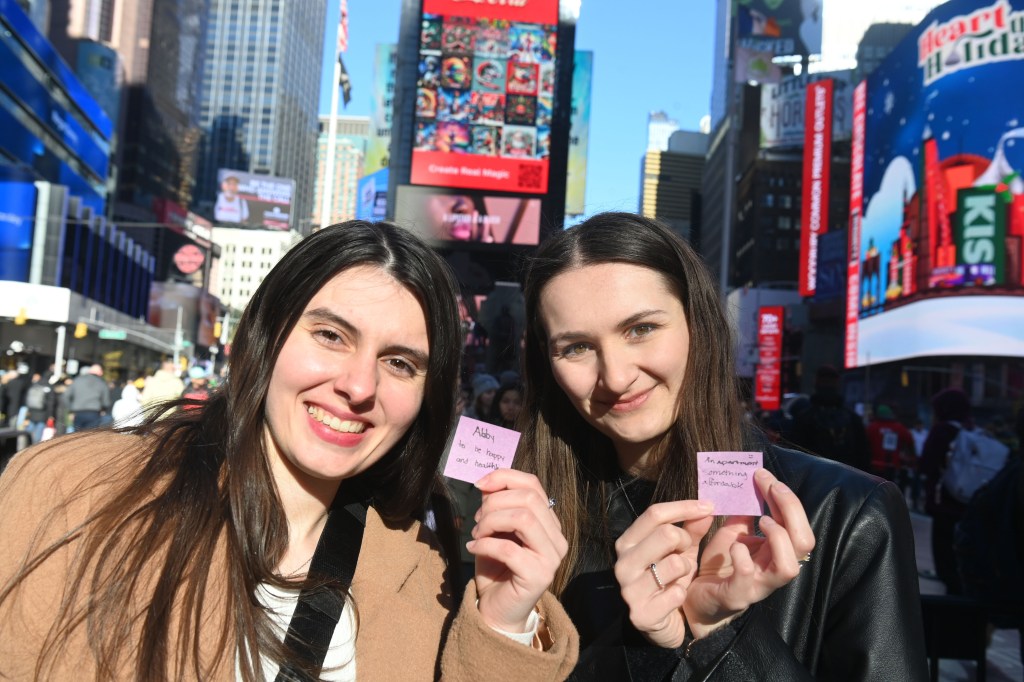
817	165
768	378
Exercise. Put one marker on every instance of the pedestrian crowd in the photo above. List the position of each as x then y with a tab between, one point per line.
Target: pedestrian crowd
291	522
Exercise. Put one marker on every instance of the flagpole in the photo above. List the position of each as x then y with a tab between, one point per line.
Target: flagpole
327	193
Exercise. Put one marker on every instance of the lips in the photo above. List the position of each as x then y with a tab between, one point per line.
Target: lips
630	403
334	422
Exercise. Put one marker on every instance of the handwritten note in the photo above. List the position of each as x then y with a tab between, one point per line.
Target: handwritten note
479	448
727	479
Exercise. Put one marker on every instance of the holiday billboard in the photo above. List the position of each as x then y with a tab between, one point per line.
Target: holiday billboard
485	95
937	197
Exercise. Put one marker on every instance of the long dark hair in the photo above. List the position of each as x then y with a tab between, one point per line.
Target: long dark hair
572	459
204	473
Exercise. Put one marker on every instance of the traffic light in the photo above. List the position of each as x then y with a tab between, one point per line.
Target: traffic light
81	330
217	328
22	317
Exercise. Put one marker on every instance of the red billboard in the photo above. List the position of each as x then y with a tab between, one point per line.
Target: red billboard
768	377
485	95
817	165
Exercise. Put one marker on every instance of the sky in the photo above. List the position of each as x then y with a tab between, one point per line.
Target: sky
649	56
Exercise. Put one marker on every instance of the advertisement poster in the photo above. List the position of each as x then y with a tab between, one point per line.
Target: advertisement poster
372	196
935	261
768	377
471	217
257	201
782	108
579	132
17	214
381	108
817	169
484	95
780	27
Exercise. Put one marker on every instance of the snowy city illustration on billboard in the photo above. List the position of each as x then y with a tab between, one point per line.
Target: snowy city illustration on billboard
939	268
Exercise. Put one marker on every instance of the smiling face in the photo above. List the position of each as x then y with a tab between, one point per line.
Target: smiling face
618	344
349	380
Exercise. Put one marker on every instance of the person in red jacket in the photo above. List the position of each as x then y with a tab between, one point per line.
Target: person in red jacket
892	446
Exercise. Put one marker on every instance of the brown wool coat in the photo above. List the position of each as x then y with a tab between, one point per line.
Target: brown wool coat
403	606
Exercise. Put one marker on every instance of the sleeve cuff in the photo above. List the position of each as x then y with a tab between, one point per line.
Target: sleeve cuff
524	638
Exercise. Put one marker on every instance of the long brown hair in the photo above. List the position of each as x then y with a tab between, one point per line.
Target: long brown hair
202	476
572	459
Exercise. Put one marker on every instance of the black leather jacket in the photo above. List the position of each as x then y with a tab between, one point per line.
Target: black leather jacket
853	613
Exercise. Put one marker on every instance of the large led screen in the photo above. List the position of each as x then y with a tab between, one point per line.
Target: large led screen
937	197
485	95
454	216
249	200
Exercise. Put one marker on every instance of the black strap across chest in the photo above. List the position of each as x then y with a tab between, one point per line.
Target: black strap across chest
319	609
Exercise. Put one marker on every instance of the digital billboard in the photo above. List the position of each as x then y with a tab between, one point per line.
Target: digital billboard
579	132
381	109
249	200
485	95
817	169
372	196
457	216
936	197
17	214
781	27
782	108
768	378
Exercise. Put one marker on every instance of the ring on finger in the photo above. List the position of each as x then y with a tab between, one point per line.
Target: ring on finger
551	502
657	578
804	559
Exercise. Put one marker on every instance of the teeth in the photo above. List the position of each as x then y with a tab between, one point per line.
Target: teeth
342	425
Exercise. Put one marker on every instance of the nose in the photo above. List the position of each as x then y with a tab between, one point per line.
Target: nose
357	379
616	370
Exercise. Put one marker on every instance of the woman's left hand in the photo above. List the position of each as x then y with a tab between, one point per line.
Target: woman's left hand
738	568
518	545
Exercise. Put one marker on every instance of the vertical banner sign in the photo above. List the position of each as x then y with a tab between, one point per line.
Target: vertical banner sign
856	219
381	106
817	165
579	132
767	380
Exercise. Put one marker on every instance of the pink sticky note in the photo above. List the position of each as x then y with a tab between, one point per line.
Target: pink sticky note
727	479
478	448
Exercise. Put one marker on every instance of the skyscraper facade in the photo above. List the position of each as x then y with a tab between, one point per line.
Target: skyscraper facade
351	136
259	97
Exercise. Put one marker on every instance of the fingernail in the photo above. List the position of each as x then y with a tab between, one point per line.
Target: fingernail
481	481
706	505
470	545
766	520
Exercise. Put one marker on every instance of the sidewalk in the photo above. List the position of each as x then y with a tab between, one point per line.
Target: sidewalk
1003	653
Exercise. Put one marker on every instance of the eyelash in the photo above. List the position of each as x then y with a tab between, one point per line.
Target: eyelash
634	333
402	366
399	365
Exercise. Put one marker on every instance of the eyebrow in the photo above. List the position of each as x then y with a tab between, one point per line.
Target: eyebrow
627	322
327	316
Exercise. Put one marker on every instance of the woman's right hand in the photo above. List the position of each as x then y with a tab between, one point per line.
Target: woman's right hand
657	537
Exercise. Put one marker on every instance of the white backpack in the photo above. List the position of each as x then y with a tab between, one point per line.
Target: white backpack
974	459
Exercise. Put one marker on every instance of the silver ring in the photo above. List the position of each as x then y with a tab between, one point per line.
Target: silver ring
804	559
654	571
551	502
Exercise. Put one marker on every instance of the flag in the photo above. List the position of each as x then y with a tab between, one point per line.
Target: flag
343	81
343	28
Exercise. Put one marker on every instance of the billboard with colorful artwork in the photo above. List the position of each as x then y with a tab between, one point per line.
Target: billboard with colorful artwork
937	199
485	95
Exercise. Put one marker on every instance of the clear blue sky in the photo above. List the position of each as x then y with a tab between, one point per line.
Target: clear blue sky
648	56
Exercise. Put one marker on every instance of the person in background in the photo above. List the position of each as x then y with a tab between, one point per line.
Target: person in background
505	407
828	428
41	402
127	411
484	388
197	389
88	398
194	546
165	385
952	411
15	387
892	447
629	375
920	433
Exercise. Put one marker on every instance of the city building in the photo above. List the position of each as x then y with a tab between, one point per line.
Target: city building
259	97
350	142
159	49
247	256
659	129
672	179
65	266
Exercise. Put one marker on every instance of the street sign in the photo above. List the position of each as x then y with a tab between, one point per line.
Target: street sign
113	334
